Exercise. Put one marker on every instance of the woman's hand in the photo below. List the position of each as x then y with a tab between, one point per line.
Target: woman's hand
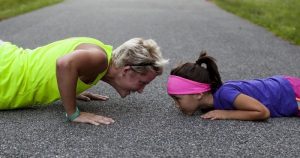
94	119
88	96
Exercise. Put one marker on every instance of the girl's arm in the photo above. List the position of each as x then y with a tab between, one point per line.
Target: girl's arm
247	108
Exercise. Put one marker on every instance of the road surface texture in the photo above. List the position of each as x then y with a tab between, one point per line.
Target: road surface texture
148	124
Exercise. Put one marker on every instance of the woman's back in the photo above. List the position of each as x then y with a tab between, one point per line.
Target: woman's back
28	77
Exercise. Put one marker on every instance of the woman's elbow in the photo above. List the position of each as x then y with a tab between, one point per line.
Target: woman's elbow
61	63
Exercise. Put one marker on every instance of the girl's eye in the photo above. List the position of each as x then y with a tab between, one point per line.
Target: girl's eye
175	98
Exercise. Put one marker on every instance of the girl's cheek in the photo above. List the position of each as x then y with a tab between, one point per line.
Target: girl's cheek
184	109
187	111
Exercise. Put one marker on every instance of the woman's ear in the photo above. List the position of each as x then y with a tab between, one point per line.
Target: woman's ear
125	70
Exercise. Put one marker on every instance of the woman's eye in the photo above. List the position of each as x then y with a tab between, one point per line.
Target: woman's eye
142	83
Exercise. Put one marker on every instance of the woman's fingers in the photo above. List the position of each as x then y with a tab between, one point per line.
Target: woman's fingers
93	122
90	118
84	98
92	96
98	97
104	120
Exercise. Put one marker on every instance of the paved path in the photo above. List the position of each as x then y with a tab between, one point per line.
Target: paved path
149	125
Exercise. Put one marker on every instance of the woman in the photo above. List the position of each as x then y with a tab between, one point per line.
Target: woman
65	69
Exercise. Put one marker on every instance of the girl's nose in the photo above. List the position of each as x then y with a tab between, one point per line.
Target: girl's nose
177	105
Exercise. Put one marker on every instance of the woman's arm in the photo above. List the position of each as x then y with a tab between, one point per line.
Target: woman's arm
87	63
247	108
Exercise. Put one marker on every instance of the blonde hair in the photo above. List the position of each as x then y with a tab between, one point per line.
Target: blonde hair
142	55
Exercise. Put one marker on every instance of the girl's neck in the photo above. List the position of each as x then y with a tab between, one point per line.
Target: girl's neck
208	100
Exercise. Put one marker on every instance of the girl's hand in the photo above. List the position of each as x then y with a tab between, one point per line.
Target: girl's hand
94	119
88	96
215	115
247	108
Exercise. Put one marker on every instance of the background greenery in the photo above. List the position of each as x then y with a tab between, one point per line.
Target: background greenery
282	17
279	16
9	8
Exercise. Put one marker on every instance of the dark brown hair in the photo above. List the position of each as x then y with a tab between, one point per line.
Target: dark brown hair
204	70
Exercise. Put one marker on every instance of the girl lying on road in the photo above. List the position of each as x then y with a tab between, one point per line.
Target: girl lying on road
198	85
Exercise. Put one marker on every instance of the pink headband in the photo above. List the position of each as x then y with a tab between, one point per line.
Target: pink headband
179	85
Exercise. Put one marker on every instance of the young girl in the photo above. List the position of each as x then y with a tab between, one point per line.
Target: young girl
198	85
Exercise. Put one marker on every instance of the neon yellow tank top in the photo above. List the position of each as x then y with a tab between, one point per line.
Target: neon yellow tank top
28	77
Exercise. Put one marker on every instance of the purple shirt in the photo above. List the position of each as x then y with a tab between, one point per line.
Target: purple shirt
275	93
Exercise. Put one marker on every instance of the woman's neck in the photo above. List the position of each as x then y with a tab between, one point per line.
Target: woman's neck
111	75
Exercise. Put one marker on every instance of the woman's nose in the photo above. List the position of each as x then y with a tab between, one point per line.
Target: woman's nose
141	89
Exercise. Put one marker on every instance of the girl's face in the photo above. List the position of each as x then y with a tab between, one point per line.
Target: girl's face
188	103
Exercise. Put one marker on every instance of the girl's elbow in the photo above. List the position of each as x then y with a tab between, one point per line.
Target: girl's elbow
264	114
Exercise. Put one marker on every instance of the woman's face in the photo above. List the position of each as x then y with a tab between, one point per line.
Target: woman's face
131	81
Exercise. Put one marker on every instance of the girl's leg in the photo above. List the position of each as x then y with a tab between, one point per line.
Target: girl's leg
298	101
295	82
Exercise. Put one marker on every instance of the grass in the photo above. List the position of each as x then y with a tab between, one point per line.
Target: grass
282	17
10	8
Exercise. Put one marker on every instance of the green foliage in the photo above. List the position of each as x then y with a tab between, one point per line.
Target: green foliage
9	8
279	16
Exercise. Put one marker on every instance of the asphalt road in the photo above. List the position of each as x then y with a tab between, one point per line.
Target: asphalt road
149	125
